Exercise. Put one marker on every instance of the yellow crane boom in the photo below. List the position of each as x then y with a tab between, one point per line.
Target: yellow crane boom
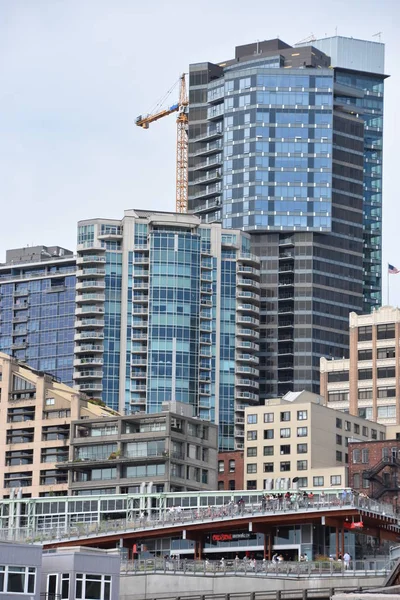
181	144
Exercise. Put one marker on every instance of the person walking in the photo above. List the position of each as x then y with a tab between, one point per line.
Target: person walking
346	560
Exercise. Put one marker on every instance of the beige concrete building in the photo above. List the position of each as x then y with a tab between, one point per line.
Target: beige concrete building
298	437
35	416
368	382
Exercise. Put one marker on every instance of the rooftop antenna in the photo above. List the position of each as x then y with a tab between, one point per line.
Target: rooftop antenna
336	30
378	35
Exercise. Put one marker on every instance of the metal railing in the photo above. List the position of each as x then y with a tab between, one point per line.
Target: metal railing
260	568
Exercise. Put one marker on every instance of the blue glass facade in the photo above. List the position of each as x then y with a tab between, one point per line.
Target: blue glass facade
174	310
37	308
277	150
369	105
173	318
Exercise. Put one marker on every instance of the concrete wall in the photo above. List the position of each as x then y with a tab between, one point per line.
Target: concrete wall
143	587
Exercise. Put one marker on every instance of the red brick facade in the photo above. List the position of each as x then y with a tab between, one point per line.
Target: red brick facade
230	470
382	460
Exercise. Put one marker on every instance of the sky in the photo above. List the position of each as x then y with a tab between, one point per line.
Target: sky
74	75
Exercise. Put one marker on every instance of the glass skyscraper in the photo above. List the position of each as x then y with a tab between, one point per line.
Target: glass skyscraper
168	309
37	308
278	141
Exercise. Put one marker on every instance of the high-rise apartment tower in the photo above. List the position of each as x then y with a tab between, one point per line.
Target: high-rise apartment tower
167	309
288	148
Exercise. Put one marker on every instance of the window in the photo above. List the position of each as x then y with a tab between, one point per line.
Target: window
365	333
365	355
65	586
232	466
386	372
302	482
364	374
365	394
285	449
365	413
385	332
336	480
386	392
339	423
387	412
347	426
232	484
338	376
92	587
356	456
268	434
365	481
251	436
364	455
268	451
220	486
285	465
285	416
374	434
302	432
17	580
251	452
356	481
318	481
385	352
302	448
302	415
221	466
252	468
339	456
252	419
338	396
251	484
50	401
339	439
268	417
285	432
268	467
365	431
356	428
302	465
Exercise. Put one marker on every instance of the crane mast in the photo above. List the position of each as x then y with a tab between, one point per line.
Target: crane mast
181	143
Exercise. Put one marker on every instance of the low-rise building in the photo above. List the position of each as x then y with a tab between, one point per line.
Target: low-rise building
374	469
367	383
165	451
298	440
63	574
230	470
20	571
81	573
35	416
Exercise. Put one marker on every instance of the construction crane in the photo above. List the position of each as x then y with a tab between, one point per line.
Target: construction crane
181	145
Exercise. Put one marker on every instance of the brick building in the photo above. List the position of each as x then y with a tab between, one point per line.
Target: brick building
374	469
230	470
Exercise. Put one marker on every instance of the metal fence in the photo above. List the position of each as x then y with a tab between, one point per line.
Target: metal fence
297	569
322	593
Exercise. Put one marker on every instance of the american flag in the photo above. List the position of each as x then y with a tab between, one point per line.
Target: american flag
392	270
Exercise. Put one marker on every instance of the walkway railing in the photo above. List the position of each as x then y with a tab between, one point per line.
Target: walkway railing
296	570
177	516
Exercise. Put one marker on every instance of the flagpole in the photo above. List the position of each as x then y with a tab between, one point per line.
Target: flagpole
388	279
